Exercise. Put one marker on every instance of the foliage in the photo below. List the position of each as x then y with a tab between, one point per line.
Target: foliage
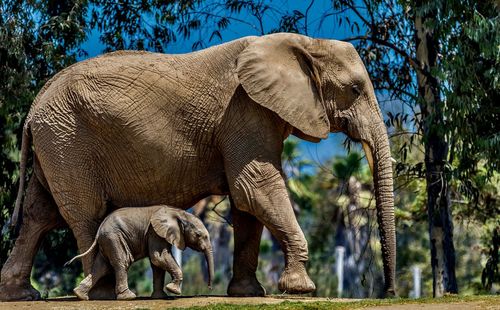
466	116
138	24
52	278
154	24
471	59
491	274
194	282
343	214
298	182
140	277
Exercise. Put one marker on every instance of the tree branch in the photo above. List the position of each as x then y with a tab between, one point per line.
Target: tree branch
306	15
358	13
214	209
412	61
227	17
401	133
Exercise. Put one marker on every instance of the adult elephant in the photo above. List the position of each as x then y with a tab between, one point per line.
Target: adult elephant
132	129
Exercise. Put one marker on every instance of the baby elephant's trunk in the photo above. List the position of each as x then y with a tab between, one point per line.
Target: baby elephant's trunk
209	256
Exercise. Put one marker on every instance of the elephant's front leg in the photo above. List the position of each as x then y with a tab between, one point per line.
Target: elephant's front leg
158	282
175	286
258	188
247	234
161	257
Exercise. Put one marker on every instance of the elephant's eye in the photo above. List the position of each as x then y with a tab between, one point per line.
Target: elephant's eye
356	90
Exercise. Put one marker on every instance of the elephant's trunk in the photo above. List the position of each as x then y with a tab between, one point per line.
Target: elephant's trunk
209	256
378	155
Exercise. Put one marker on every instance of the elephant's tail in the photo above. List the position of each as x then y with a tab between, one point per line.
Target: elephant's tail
25	146
83	254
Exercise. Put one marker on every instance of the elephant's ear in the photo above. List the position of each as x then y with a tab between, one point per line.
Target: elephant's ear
277	72
166	224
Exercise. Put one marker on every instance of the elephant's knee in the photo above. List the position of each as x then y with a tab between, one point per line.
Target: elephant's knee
156	259
40	208
254	186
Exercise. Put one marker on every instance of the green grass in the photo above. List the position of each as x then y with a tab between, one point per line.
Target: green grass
486	300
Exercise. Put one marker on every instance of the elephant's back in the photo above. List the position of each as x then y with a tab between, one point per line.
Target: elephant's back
128	220
113	83
132	93
106	94
90	78
138	125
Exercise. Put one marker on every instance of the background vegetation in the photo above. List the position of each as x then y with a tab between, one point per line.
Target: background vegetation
435	67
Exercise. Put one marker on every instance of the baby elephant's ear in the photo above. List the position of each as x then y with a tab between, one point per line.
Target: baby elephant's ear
166	224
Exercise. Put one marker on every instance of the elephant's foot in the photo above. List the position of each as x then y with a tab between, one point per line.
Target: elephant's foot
159	295
81	293
295	280
174	287
126	295
82	290
18	292
104	289
248	286
390	293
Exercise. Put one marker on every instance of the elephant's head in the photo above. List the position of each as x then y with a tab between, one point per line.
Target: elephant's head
183	229
322	86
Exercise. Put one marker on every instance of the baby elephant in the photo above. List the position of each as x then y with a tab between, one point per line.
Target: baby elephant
129	234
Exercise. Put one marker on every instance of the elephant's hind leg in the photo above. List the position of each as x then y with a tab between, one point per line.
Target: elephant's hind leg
84	227
82	204
99	270
40	215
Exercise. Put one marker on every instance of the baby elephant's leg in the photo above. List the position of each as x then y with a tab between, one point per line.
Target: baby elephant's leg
116	250
99	269
175	272
158	282
122	290
165	261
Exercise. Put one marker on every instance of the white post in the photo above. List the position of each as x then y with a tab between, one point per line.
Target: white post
417	279
177	254
339	266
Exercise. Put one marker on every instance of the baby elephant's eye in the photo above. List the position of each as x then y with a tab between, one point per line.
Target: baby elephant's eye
356	90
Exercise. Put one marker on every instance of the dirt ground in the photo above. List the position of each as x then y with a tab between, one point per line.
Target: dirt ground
184	302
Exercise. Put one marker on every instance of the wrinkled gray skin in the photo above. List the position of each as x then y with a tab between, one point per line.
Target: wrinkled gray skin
135	128
129	234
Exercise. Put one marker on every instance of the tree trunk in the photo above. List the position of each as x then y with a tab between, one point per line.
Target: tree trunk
436	153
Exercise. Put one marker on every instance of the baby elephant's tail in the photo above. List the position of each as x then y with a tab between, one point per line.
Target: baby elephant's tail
83	254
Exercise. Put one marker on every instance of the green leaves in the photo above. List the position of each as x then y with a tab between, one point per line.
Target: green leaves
471	65
343	168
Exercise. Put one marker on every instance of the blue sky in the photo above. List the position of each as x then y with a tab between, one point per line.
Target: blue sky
329	29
